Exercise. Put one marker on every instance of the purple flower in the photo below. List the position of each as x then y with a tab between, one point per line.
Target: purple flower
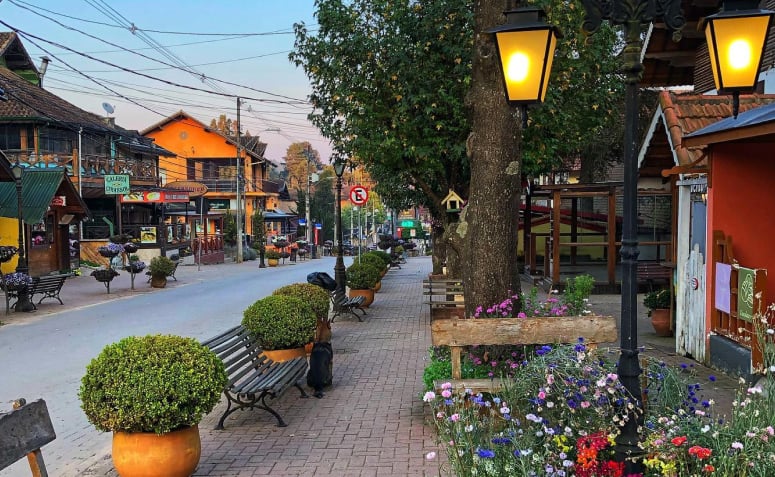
485	453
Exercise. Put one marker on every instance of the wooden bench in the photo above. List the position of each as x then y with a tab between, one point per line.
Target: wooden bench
169	275
445	297
652	272
252	376
49	286
458	333
344	304
23	431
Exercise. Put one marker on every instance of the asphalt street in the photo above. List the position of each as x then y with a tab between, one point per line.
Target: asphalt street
45	353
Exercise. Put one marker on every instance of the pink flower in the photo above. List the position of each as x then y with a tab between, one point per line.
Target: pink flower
429	396
541	395
521	314
550	379
585	404
454	417
430	455
446	386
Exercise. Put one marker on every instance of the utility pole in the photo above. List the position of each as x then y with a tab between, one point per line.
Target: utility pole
239	181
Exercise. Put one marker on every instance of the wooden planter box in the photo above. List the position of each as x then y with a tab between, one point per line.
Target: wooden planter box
457	333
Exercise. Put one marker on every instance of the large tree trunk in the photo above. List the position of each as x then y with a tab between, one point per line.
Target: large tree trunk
488	225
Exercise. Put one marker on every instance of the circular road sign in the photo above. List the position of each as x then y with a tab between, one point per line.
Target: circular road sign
359	195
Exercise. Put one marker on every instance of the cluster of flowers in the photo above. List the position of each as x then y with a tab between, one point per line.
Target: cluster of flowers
528	305
17	280
111	249
557	416
136	266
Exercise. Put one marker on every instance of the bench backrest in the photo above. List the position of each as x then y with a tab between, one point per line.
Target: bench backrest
48	282
239	352
457	333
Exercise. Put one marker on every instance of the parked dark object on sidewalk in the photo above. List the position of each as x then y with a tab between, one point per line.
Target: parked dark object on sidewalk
320	374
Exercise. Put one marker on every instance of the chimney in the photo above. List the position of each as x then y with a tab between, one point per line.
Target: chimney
44	61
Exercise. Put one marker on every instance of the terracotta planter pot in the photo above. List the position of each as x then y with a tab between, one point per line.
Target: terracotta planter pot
378	286
280	355
272	262
660	320
145	454
368	296
158	282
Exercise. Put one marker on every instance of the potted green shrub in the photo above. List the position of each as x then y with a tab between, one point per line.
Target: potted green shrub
658	303
320	302
281	323
272	257
160	268
152	392
361	278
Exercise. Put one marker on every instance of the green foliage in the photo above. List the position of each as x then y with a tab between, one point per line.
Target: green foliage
436	370
362	276
161	267
370	259
156	383
229	229
657	300
576	294
272	254
383	255
389	81
249	254
317	297
280	322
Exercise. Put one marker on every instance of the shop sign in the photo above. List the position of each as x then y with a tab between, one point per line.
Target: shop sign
147	197
194	189
746	286
218	204
116	184
58	201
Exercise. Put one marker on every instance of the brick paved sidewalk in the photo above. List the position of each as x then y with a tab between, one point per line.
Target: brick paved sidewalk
370	423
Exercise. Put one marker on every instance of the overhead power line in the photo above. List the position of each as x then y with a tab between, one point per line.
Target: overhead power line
291	102
232	34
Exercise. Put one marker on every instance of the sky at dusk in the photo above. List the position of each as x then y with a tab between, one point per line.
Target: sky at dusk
174	36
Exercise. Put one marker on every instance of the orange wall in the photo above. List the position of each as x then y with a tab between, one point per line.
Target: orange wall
741	204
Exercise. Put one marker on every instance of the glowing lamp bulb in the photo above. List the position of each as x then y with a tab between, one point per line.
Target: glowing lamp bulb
739	54
518	67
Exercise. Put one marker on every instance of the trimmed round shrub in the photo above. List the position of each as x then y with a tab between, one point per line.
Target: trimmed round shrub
156	383
383	255
317	297
374	260
280	322
272	254
362	276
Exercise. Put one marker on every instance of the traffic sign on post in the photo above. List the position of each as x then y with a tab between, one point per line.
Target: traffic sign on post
359	195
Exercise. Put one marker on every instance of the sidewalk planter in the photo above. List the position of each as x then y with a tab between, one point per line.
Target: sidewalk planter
281	322
105	276
160	268
152	392
658	304
174	454
368	296
361	279
272	258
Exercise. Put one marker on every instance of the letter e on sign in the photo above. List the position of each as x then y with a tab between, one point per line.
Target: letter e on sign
359	195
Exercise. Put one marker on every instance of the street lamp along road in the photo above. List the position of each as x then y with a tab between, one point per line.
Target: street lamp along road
340	274
23	302
736	38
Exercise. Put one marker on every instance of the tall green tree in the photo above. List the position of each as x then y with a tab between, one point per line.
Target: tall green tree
389	79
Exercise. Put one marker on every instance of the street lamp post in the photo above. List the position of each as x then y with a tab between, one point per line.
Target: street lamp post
340	274
23	302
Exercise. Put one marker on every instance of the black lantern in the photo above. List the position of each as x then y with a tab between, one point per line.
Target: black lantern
526	46
736	38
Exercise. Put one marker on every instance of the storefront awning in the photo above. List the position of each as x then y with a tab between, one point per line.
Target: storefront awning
39	187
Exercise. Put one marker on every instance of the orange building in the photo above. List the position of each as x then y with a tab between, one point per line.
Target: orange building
206	156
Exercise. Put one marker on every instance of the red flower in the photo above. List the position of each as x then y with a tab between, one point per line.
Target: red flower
678	441
708	468
700	452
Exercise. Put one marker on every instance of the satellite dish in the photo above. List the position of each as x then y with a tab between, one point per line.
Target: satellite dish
108	108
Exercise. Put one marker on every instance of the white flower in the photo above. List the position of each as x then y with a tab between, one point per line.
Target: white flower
429	396
705	428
